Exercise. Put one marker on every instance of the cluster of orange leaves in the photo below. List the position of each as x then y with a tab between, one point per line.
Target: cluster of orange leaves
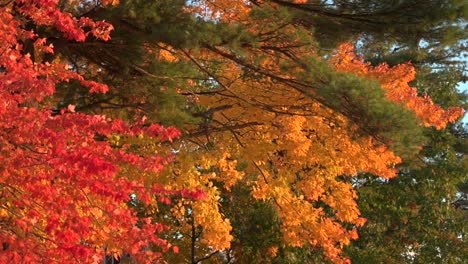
297	148
320	142
395	81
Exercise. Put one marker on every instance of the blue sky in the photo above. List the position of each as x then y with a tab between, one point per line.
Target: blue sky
464	87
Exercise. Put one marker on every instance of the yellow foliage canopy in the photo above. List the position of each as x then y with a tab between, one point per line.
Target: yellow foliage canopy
293	148
297	148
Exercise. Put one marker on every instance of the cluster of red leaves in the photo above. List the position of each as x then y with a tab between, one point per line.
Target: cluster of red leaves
63	193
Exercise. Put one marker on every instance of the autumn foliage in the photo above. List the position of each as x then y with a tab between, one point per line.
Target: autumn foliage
395	81
296	147
71	181
64	188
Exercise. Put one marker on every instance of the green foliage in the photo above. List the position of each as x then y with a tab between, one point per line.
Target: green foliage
406	21
414	213
256	226
363	101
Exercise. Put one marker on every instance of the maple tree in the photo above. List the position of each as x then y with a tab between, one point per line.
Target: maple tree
293	146
66	193
270	123
286	145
